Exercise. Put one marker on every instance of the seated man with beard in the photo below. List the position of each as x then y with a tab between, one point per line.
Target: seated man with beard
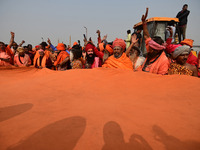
93	57
180	66
156	61
119	59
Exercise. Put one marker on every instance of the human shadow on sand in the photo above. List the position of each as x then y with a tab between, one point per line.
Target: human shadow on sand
172	143
114	139
60	135
12	111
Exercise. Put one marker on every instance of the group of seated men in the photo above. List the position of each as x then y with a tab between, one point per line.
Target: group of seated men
161	58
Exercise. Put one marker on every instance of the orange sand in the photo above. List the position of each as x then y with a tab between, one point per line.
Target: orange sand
106	109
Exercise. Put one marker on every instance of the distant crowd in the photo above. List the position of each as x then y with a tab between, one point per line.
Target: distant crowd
170	57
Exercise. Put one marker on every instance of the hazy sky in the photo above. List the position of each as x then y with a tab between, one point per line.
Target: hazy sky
58	19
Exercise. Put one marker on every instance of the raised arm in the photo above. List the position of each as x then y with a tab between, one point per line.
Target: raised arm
22	42
11	39
144	24
133	41
53	47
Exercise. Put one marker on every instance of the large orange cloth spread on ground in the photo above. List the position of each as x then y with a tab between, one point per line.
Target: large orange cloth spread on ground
122	63
98	109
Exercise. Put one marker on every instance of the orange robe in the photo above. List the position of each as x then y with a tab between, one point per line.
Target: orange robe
8	52
122	63
160	66
37	55
62	55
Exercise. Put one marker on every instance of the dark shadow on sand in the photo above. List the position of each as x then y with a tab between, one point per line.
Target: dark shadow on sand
15	110
172	143
114	139
60	135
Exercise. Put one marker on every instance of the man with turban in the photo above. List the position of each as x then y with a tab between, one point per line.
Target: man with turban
21	59
180	66
93	57
119	59
156	60
43	46
192	59
61	56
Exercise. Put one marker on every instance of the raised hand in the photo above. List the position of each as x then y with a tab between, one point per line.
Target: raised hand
12	34
134	38
49	41
144	17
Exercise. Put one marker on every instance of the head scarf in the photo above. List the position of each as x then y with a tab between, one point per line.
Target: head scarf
181	50
156	46
41	50
60	47
188	42
20	49
89	46
120	43
75	43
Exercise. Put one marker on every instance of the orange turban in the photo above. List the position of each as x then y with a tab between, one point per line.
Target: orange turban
89	46
60	47
120	43
75	43
188	42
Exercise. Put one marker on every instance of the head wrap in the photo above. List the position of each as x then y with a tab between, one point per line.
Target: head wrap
40	50
181	50
75	43
188	42
37	46
20	49
120	43
89	46
109	49
156	46
60	47
171	48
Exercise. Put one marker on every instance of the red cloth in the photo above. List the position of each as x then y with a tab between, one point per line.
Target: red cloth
171	47
193	60
89	46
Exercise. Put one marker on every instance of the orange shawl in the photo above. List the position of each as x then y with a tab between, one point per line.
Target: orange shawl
122	63
43	64
37	55
62	55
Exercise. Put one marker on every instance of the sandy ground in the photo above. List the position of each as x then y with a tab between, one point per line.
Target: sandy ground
99	109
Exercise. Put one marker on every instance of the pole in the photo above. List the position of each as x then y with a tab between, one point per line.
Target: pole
86	31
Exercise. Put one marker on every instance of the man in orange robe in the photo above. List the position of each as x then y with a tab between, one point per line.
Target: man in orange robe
119	58
6	54
61	56
156	61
